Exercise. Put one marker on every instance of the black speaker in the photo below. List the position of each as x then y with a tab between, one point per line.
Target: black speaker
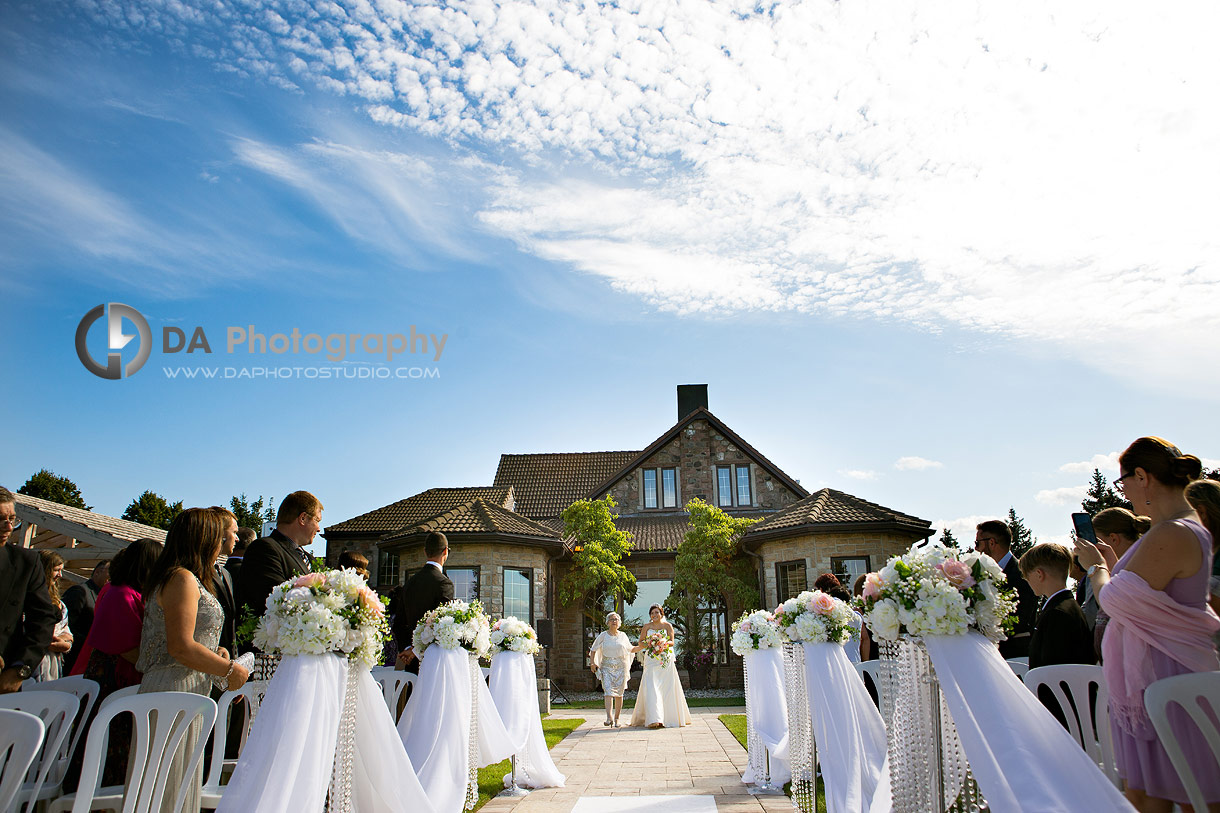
546	632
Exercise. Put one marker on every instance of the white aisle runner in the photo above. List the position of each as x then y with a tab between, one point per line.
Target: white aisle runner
645	804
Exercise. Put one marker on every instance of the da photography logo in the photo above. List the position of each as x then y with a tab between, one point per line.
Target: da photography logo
116	341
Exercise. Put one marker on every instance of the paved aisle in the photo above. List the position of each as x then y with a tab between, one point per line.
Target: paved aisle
701	759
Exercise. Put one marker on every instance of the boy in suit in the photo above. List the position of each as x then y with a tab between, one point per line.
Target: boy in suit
428	589
1061	633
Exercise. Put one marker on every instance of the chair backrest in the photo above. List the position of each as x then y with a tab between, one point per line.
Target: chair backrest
1019	666
393	686
1195	694
57	710
20	738
119	694
244	701
162	721
87	691
875	669
1081	692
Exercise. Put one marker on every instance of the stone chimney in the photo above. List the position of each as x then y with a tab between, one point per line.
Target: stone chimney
690	398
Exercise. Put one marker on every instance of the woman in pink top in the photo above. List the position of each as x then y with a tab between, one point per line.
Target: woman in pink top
1160	623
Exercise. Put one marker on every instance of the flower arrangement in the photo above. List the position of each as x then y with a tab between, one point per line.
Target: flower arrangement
317	613
511	634
815	617
456	625
657	644
756	630
937	591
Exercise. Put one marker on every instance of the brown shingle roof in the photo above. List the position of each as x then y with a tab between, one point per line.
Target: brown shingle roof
545	484
422	506
119	529
829	507
477	517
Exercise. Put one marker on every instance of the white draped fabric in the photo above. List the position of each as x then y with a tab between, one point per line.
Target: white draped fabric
767	710
287	761
848	730
514	688
435	727
1020	755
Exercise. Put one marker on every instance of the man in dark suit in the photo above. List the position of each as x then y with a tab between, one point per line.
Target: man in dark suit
282	555
994	538
81	599
244	537
428	589
27	614
225	593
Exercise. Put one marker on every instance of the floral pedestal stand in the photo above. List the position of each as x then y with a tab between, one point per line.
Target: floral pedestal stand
758	755
802	753
928	768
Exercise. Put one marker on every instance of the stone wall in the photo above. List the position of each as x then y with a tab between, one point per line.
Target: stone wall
816	551
695	452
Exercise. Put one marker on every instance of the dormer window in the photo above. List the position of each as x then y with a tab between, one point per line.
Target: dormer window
666	492
733	486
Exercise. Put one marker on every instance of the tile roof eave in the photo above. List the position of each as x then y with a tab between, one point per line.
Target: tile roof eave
411	540
752	539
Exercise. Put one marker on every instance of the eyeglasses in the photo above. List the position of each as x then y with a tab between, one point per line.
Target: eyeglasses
12	521
1118	484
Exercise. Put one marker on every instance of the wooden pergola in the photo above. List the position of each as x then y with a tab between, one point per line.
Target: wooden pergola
83	538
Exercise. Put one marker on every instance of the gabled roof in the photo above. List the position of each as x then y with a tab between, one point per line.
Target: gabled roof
478	517
413	510
828	509
702	413
545	484
97	536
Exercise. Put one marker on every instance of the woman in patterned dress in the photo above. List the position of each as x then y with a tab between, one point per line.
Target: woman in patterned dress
178	645
610	660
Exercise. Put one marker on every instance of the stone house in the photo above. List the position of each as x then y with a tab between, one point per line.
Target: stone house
506	545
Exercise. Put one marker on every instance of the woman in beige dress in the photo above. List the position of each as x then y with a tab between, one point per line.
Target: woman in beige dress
610	660
178	644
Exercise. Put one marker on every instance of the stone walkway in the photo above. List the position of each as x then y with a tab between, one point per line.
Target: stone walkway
700	759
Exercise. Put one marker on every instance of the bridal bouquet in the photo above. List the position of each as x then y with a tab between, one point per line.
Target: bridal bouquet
456	625
332	611
511	634
756	630
815	617
657	644
937	591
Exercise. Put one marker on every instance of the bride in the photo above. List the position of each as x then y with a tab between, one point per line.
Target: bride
660	702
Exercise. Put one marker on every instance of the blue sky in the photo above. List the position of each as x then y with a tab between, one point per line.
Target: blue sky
947	262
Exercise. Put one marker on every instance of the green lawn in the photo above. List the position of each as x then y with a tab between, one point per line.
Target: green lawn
629	703
736	724
491	778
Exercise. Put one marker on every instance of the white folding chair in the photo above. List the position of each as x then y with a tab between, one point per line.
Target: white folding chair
1019	666
1071	684
57	710
162	721
119	694
20	738
1194	693
875	669
246	701
393	686
86	691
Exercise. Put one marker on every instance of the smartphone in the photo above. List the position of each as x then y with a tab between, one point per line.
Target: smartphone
1084	527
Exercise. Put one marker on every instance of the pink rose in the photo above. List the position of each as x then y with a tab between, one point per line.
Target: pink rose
872	586
369	601
309	580
958	573
822	603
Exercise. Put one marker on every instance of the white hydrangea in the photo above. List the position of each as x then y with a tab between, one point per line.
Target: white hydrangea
755	630
321	613
883	620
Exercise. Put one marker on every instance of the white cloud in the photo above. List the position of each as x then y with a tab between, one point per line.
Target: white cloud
935	166
963	527
1101	462
1061	496
858	474
916	464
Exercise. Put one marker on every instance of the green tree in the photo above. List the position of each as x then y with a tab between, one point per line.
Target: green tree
152	509
598	549
252	514
1022	536
47	485
1101	495
710	567
947	538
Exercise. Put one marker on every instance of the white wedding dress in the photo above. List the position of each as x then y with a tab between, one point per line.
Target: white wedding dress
660	698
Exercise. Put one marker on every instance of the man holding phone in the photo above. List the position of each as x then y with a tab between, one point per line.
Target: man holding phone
994	538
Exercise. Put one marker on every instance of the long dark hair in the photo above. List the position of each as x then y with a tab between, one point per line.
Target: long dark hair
50	561
134	564
192	543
